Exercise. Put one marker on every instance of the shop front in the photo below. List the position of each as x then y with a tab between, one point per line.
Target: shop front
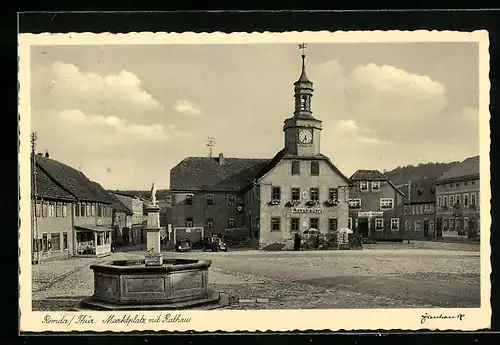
93	240
365	222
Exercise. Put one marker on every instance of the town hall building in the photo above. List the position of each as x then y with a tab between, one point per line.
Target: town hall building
268	199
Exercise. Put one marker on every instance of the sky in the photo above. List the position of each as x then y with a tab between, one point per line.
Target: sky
125	115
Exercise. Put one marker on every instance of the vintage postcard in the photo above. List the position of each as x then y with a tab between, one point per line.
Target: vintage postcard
263	181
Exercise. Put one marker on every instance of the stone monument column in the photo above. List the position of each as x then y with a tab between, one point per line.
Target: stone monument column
153	241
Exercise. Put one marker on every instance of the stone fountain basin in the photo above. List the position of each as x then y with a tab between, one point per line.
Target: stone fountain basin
131	282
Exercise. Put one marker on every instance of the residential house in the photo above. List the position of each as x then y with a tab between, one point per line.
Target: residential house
122	222
457	200
267	200
420	210
375	206
135	234
90	211
53	220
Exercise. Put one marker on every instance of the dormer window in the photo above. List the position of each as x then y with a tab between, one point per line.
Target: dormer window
363	186
375	186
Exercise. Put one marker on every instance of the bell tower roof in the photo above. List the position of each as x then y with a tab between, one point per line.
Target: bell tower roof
303	76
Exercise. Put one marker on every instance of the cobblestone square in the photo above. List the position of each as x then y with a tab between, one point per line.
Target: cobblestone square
381	277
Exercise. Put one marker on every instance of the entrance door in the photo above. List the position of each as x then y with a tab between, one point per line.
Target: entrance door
426	228
363	227
439	227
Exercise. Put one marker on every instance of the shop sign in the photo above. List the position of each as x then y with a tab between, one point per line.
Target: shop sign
305	210
370	214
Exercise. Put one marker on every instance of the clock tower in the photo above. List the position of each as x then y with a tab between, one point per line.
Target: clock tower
302	130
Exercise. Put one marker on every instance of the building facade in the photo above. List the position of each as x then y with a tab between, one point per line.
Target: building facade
420	210
52	220
64	229
375	206
457	200
122	222
133	234
268	200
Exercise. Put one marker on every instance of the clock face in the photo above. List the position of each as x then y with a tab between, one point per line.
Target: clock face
305	136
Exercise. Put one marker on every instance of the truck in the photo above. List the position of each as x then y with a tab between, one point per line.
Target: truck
213	243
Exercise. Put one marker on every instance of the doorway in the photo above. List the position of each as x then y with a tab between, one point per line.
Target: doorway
363	227
426	228
439	227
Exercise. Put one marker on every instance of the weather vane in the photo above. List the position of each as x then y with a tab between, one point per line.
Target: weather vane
303	46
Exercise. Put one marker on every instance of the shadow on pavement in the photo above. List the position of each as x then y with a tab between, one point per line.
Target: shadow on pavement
431	293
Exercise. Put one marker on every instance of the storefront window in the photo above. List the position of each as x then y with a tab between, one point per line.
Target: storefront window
55	239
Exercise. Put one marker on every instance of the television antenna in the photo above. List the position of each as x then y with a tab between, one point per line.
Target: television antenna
210	144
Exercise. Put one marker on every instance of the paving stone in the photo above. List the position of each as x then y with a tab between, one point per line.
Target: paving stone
244	301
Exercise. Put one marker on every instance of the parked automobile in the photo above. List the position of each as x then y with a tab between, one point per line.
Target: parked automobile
182	246
213	243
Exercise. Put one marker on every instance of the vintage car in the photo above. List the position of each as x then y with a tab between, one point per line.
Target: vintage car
213	243
182	246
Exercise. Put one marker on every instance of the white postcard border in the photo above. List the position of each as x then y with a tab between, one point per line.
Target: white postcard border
255	320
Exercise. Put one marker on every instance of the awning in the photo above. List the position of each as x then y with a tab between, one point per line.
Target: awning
93	228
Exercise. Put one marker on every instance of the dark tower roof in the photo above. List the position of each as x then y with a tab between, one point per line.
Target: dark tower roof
303	76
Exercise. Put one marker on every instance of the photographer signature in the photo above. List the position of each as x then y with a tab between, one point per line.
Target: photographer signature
428	316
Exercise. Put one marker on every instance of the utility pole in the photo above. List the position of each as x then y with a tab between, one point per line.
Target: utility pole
210	144
409	203
34	197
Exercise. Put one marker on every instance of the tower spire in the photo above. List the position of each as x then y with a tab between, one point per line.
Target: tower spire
303	89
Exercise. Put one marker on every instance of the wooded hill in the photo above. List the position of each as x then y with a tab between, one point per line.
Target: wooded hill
414	173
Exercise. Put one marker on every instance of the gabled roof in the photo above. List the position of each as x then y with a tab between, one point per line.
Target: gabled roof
100	192
47	188
130	195
72	180
205	173
368	175
118	206
467	168
282	155
373	175
422	191
235	174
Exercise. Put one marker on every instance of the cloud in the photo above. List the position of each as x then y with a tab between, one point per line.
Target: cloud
347	126
65	86
396	105
118	125
186	107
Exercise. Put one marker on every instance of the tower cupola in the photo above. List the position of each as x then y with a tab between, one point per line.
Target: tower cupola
303	90
302	130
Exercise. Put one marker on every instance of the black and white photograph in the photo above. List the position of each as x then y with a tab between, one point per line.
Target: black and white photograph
336	175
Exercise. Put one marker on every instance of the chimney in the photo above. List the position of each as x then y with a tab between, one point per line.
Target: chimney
47	154
221	159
